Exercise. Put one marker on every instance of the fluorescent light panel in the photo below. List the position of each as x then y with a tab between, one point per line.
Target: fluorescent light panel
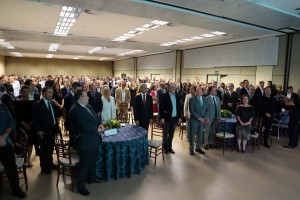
18	54
53	47
77	57
67	18
146	27
106	58
203	36
6	44
95	49
130	52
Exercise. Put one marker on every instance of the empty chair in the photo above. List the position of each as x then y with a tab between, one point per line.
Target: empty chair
156	142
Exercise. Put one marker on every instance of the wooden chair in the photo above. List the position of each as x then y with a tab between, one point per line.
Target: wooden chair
255	141
225	137
124	118
21	146
182	129
67	161
156	142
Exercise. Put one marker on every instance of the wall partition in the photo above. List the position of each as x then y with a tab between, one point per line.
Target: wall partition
124	67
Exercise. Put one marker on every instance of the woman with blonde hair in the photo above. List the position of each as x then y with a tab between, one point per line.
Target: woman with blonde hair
109	107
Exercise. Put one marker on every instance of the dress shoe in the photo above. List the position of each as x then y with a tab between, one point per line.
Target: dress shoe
244	151
54	166
212	146
200	151
83	191
19	193
267	145
288	147
166	151
192	152
46	171
172	151
206	147
95	181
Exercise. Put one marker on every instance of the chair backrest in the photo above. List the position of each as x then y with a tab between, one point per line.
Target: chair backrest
20	146
62	149
157	130
124	118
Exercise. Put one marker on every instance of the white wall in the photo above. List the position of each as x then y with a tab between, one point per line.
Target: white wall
262	52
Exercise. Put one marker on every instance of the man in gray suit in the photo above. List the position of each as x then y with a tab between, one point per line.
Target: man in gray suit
214	113
199	117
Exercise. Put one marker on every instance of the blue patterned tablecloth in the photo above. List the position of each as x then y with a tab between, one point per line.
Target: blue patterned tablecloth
230	125
123	154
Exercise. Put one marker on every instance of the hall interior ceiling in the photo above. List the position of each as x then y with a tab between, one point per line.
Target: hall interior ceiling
120	29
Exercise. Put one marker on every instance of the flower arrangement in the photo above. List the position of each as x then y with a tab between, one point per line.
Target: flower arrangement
112	124
226	113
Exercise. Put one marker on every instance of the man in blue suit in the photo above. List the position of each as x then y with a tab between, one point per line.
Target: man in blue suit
199	117
214	115
85	124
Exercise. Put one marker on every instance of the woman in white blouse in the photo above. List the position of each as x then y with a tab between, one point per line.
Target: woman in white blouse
109	107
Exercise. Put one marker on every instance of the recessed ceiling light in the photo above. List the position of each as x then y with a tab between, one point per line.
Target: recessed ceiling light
106	58
218	33
188	39
95	49
67	18
208	35
131	52
197	37
140	30
77	57
18	54
49	55
53	47
6	44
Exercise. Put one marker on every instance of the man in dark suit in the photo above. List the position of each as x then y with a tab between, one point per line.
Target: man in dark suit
66	89
268	108
259	91
290	94
45	125
49	82
7	156
199	116
231	99
214	115
169	113
68	103
245	89
85	125
143	108
95	99
238	90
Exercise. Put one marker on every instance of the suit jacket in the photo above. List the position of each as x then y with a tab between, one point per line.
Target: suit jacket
234	99
159	93
49	83
68	102
293	96
238	91
118	97
143	112
211	107
243	91
85	127
197	111
166	108
65	91
258	92
186	106
42	119
96	102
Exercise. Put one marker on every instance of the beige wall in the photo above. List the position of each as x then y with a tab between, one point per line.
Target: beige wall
163	73
124	66
2	64
295	64
118	73
278	71
40	66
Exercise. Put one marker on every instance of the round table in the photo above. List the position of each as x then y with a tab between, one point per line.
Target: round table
123	154
230	125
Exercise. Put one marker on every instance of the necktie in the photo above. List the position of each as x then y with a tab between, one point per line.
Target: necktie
144	99
51	112
215	104
200	100
92	95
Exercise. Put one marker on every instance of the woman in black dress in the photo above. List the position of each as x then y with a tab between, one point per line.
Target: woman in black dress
58	100
23	107
244	115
